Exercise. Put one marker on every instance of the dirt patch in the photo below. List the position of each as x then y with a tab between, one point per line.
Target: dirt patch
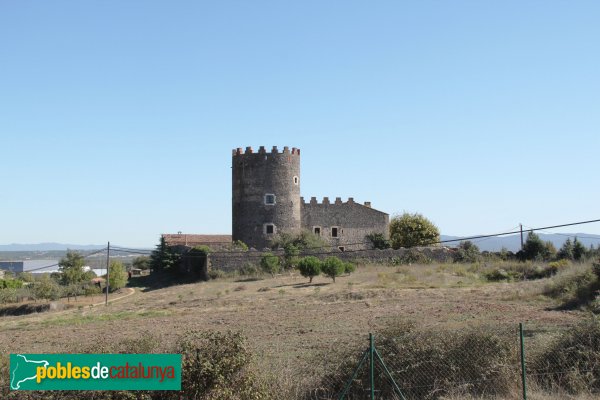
24	309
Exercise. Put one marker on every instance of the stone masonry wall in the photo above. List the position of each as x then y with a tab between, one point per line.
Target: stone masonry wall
353	220
235	260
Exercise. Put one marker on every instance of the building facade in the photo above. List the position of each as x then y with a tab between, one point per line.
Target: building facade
266	201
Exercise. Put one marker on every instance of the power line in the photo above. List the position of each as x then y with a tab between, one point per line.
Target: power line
58	263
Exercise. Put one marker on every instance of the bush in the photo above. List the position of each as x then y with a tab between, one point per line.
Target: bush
249	269
10	284
305	240
291	255
573	288
497	274
570	362
309	267
332	267
467	252
217	366
270	263
216	274
378	240
238	245
411	256
349	267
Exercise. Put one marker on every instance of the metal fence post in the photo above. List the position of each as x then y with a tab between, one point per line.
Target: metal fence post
523	371
372	365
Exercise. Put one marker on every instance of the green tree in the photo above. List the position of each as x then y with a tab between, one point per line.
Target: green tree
566	250
71	268
550	251
332	267
47	288
270	263
467	252
309	267
72	290
534	248
164	257
117	277
410	230
579	250
378	240
141	262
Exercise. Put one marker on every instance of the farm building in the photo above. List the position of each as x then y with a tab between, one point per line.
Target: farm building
34	266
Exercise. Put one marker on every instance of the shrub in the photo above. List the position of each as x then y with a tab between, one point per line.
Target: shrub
249	269
216	274
291	255
378	240
305	240
238	245
571	361
332	267
309	267
467	252
270	263
411	256
574	287
349	267
10	283
217	366
497	274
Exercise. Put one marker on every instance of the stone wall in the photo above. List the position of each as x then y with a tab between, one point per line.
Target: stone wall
353	221
235	260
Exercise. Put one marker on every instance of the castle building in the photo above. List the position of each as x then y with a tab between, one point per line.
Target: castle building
266	201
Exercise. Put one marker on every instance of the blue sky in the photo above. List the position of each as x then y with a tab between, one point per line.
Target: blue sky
117	119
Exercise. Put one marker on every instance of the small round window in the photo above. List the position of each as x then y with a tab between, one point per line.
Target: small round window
296	180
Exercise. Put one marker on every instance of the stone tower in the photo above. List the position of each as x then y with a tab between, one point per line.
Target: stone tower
265	194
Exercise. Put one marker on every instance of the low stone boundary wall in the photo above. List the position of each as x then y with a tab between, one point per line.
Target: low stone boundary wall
235	260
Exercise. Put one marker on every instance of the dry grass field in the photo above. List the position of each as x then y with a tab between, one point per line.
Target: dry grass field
286	320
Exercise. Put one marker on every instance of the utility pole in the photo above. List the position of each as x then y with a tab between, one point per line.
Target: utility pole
107	272
521	225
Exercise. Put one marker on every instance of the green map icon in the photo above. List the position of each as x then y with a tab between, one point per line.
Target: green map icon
23	369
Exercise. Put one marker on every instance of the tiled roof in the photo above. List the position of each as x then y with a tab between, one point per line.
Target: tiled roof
183	239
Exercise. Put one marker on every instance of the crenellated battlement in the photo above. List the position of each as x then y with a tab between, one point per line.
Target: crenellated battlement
338	201
262	150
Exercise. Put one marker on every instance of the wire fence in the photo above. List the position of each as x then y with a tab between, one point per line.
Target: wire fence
483	362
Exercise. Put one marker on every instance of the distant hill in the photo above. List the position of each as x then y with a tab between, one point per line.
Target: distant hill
48	247
513	242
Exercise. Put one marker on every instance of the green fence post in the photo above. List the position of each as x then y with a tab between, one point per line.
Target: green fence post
523	371
349	383
372	365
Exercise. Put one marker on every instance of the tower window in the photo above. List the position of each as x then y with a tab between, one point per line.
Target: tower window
341	248
317	230
269	199
269	229
296	180
334	231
